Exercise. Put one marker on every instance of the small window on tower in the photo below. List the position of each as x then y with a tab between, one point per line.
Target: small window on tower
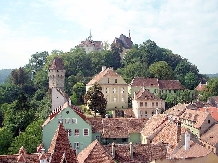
115	80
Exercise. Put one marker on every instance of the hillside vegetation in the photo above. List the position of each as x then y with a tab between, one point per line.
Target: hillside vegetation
25	102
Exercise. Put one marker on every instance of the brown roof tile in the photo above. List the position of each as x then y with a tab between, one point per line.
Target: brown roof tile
200	87
91	43
124	41
176	110
195	115
95	152
143	94
141	152
109	72
211	135
170	85
60	145
146	82
154	125
117	127
194	151
57	64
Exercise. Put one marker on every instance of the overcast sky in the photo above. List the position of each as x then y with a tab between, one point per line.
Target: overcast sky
187	27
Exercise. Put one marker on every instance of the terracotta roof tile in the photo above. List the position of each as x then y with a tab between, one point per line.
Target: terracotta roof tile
200	87
109	72
154	125
91	43
195	115
154	82
213	111
194	151
170	84
57	64
141	152
176	110
146	82
143	94
117	127
95	152
211	135
60	145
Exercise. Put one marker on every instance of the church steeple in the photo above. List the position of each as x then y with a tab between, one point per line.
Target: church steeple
129	35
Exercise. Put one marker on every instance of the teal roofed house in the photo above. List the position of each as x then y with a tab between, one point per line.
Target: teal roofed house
73	120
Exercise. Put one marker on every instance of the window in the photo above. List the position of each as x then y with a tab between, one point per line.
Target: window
107	90
76	132
67	120
152	103
122	90
114	90
169	91
208	121
156	103
76	145
74	121
60	120
108	80
152	112
115	80
155	91
141	104
85	132
122	99
115	99
69	132
146	104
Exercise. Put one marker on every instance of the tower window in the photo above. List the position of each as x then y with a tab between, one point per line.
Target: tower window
115	80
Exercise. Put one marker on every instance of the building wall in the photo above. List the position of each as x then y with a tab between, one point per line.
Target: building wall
68	113
141	110
57	99
115	90
56	78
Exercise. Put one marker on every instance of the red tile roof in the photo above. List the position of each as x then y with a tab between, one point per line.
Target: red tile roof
141	152
60	145
109	72
124	41
176	110
95	152
143	94
57	64
146	82
213	111
154	125
194	151
196	116
117	127
211	136
91	43
154	82
200	87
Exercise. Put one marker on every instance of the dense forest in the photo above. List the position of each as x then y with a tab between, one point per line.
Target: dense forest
25	100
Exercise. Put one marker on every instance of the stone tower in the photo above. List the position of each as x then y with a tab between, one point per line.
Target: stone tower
56	74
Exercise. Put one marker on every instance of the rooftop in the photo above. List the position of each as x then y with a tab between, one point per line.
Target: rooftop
57	64
211	136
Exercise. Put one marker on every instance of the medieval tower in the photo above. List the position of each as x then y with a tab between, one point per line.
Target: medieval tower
56	74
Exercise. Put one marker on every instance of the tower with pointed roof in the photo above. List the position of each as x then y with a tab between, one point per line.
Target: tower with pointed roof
56	74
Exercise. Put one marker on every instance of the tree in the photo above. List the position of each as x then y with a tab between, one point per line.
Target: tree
116	50
6	138
19	76
95	100
30	139
211	89
191	80
78	93
161	70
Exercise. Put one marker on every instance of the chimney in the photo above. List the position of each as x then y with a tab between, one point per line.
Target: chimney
178	130
103	68
131	150
113	150
157	111
187	140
